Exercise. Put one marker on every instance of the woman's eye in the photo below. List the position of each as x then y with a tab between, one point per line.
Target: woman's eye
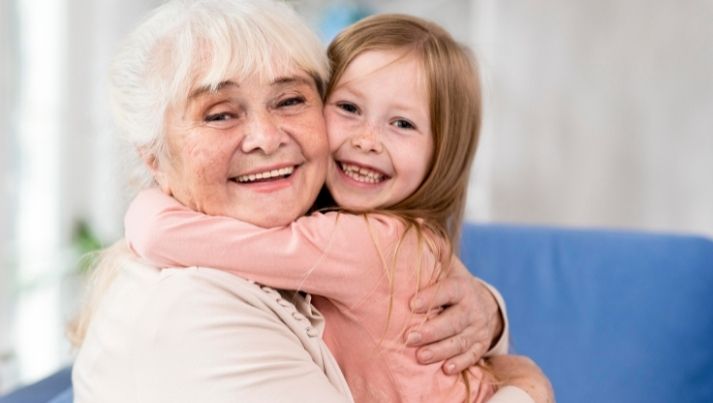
219	117
403	124
348	107
291	102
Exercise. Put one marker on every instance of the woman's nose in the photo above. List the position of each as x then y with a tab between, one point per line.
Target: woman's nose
367	141
263	134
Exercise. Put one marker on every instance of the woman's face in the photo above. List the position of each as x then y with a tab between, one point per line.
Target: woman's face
254	149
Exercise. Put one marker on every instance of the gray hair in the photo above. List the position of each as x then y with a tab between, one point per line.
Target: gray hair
193	42
201	42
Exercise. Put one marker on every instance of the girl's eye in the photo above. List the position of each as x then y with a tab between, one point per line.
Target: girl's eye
403	124
293	101
348	107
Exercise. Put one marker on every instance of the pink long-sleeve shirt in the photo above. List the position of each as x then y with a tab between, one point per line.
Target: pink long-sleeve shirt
361	270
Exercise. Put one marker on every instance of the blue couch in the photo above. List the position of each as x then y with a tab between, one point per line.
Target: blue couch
610	316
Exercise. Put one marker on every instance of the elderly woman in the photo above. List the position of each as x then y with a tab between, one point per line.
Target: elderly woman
201	334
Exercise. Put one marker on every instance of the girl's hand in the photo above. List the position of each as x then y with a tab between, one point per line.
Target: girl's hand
468	326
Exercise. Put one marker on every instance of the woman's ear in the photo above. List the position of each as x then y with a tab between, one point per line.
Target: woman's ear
151	160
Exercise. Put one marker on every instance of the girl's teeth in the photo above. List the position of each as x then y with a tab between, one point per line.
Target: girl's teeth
361	174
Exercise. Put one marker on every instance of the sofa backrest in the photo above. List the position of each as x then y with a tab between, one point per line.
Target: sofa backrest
610	316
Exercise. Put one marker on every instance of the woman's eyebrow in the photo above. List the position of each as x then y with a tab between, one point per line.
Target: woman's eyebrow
210	88
280	81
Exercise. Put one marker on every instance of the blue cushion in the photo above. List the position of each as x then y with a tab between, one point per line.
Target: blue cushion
43	391
67	396
609	316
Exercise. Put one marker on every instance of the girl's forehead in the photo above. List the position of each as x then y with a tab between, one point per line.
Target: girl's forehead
372	64
372	61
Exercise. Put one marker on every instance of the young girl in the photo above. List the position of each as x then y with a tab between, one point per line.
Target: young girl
403	115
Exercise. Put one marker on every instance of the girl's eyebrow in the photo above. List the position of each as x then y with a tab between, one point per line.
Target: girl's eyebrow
396	104
350	89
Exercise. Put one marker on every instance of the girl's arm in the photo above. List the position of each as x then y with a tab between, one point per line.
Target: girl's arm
326	254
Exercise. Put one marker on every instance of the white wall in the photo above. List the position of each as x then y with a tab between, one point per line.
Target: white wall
60	165
600	114
7	94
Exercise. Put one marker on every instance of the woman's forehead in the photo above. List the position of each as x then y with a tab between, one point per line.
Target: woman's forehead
274	81
275	73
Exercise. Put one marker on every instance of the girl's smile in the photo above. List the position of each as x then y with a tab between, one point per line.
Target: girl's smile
379	130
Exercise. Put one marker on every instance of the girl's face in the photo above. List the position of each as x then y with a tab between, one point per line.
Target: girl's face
379	130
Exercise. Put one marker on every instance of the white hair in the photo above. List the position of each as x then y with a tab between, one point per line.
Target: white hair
185	43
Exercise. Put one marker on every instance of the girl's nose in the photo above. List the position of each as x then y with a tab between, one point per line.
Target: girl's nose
367	141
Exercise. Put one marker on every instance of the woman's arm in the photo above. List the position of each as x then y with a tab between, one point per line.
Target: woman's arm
473	323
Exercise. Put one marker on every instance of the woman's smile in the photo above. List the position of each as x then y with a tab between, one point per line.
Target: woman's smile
269	179
262	161
267	174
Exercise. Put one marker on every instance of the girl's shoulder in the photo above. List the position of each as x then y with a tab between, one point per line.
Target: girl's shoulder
384	223
383	228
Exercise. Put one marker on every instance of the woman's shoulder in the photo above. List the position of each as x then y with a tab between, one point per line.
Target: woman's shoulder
193	283
190	292
213	320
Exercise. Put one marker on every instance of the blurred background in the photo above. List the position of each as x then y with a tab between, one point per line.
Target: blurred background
598	114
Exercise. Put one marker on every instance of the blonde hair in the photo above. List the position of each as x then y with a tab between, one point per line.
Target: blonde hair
107	265
451	76
180	44
454	105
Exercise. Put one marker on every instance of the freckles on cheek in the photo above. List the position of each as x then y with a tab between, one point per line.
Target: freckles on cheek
339	132
203	162
333	138
313	137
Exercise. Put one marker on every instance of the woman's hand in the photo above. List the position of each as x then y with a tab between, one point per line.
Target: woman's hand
523	373
467	327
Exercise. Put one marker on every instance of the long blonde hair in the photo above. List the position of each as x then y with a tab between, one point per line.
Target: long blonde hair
454	105
106	265
437	206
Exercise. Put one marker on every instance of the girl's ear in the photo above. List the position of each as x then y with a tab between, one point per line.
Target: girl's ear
151	160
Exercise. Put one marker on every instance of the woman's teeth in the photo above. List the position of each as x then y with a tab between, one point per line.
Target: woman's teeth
361	174
267	175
